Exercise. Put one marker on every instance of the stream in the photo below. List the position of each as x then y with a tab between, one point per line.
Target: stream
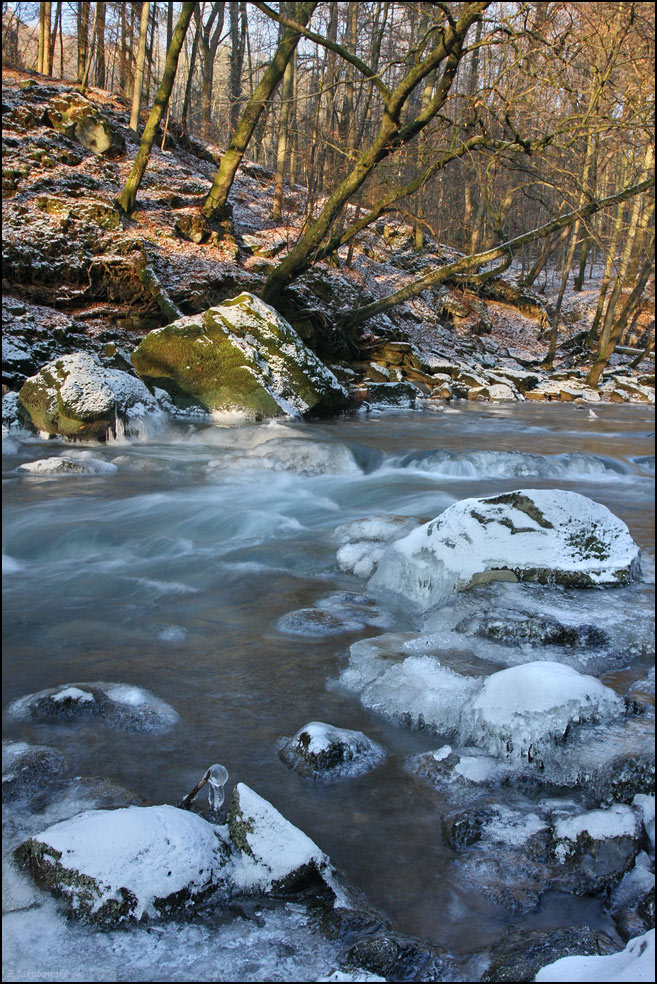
175	573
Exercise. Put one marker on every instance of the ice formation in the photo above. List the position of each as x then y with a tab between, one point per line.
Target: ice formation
217	778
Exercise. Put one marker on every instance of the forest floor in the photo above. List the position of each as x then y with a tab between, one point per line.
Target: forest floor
71	260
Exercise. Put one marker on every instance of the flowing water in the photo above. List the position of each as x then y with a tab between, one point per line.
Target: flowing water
173	572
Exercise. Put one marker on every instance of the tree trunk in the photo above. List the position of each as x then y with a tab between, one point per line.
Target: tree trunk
392	135
237	41
216	200
53	40
609	339
129	193
42	35
139	67
47	48
286	95
100	44
190	75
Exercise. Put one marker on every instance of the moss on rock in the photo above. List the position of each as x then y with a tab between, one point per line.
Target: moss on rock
239	357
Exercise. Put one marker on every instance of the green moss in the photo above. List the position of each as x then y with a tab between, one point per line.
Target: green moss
238	827
523	503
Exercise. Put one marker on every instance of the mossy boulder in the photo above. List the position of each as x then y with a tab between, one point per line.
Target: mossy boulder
239	357
113	866
76	396
76	117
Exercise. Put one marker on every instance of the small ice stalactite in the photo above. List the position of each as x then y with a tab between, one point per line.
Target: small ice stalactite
217	777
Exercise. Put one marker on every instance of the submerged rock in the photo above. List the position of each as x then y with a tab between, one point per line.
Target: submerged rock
518	628
240	357
26	768
545	536
118	705
110	866
398	958
321	751
76	396
521	953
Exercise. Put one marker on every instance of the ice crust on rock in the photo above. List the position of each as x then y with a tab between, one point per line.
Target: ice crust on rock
520	712
75	395
322	751
523	709
125	863
271	850
646	806
362	542
303	457
635	964
549	536
119	705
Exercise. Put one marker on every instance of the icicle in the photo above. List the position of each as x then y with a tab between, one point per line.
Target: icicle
217	776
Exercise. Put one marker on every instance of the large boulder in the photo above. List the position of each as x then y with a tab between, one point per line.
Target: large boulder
75	116
112	866
76	396
540	535
239	357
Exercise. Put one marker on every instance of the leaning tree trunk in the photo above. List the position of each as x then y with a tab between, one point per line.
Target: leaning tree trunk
129	193
230	162
470	263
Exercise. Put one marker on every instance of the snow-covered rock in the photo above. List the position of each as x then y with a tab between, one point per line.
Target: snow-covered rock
546	536
271	852
321	751
521	710
67	464
118	705
116	865
636	964
241	356
77	396
601	843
